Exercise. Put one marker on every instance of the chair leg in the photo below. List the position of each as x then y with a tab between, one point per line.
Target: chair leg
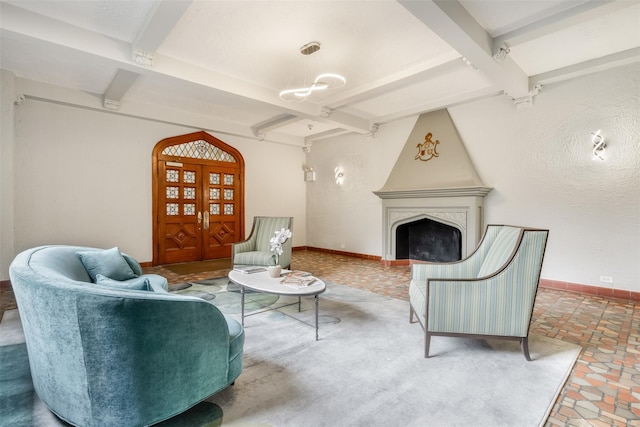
427	343
524	343
411	314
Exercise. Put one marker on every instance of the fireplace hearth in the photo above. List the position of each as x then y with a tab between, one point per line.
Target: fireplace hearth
428	240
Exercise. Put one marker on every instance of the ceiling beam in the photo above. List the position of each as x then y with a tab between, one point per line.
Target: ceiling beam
618	59
160	21
343	120
44	92
451	22
397	80
262	128
120	84
32	26
438	104
224	83
323	135
576	15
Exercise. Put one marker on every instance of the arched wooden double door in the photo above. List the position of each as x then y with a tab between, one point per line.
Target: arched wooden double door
198	198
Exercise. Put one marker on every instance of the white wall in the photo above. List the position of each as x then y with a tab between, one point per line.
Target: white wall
347	217
7	99
84	177
538	160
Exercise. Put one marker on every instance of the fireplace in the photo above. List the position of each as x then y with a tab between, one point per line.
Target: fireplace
458	208
428	240
433	180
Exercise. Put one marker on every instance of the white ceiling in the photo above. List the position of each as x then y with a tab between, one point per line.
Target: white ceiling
219	65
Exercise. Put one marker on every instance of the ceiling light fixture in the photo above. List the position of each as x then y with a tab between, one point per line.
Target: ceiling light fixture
321	82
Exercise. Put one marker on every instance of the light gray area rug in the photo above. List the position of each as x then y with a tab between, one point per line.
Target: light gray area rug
367	369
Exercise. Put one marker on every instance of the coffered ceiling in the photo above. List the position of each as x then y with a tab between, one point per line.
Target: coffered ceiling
219	65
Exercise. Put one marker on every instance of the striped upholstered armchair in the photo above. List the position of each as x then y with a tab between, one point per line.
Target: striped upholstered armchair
256	250
488	294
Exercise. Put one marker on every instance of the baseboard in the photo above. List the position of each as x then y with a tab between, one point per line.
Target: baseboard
349	254
544	283
555	284
589	289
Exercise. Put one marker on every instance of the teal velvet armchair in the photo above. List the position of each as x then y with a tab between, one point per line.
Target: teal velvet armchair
256	250
491	293
104	353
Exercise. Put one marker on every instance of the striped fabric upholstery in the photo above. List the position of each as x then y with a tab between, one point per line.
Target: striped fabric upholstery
265	228
497	305
500	251
255	258
418	299
466	268
256	250
481	296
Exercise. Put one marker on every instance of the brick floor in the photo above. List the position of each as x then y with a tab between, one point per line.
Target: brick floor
604	386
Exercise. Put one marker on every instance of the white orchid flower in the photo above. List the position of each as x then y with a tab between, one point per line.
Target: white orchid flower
280	236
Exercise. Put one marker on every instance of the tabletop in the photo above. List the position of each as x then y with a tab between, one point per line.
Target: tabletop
262	282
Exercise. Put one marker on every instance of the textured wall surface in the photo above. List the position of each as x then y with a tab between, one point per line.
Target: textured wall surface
84	177
540	164
539	161
7	99
442	162
347	216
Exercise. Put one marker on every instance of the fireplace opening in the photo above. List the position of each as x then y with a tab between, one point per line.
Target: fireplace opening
428	240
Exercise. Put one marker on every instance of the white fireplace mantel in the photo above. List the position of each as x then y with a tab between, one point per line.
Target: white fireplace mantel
476	191
460	207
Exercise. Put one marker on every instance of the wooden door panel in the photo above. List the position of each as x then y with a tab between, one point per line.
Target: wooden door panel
219	238
198	198
179	229
181	243
221	193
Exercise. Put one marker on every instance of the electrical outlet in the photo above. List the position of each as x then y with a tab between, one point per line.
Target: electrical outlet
606	279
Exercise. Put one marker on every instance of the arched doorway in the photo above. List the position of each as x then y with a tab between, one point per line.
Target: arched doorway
198	198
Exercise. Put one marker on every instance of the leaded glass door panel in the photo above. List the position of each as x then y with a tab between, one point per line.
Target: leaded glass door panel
221	190
198	199
181	219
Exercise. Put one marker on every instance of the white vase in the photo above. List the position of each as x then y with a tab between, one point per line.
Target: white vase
274	270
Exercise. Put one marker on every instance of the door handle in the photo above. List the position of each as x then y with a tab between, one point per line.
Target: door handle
199	217
206	220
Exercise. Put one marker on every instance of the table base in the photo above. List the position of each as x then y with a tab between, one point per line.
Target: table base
267	308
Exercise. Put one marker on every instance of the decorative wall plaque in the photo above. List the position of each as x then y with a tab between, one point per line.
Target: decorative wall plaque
428	149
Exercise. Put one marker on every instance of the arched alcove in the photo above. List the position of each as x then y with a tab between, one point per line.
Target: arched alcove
198	198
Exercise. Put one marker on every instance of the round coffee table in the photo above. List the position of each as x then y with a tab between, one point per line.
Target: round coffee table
262	282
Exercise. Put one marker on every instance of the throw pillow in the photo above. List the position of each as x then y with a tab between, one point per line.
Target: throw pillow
109	262
139	284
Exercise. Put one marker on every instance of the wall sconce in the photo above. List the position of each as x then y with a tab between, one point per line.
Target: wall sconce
339	175
598	145
309	174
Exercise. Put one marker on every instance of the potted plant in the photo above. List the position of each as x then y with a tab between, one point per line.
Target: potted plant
276	242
